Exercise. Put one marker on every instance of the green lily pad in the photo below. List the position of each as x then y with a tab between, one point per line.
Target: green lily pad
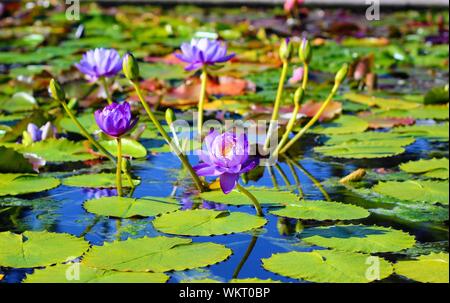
329	266
128	207
432	268
384	103
415	212
382	138
39	248
101	180
438	112
13	162
130	148
59	150
358	238
79	273
431	132
19	184
361	150
432	168
264	196
345	124
205	222
158	254
415	190
19	102
322	210
87	120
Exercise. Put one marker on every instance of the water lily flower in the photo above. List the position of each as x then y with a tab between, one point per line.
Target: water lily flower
100	63
116	119
35	161
36	134
227	156
202	52
297	75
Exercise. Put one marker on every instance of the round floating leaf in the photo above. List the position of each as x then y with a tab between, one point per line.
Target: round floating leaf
13	162
431	132
322	210
343	125
432	268
87	120
264	196
205	222
329	266
96	181
59	150
19	184
130	148
387	139
433	168
39	248
128	207
79	273
384	103
358	238
157	254
361	150
415	190
438	112
19	102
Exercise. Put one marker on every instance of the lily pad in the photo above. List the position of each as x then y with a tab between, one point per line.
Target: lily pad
59	150
322	210
361	150
384	103
158	254
128	207
432	168
13	162
130	148
432	268
101	180
264	196
19	102
415	190
382	138
19	184
39	248
345	124
79	273
438	112
204	222
87	120
358	238
431	132
329	266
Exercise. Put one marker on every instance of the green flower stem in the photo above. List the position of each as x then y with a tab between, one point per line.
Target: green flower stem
245	192
305	75
119	168
276	107
312	121
289	128
105	87
201	102
86	134
178	152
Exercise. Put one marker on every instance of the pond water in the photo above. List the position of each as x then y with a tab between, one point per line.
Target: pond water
306	172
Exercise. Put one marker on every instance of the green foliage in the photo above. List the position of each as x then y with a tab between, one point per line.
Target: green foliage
432	268
19	184
432	168
101	180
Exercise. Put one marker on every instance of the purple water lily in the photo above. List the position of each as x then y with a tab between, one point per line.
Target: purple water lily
100	62
115	119
201	52
48	130
225	155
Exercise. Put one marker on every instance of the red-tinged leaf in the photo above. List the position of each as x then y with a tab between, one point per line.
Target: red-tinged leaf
387	122
310	109
168	59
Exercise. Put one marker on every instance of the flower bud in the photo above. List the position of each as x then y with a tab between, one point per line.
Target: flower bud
298	96
285	51
170	116
130	67
56	91
305	52
341	74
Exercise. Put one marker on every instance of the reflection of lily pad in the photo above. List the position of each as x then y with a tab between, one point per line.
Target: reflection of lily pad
264	196
322	210
432	268
329	266
157	254
59	150
128	207
345	124
432	168
415	190
66	273
96	181
358	238
35	248
19	184
203	222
